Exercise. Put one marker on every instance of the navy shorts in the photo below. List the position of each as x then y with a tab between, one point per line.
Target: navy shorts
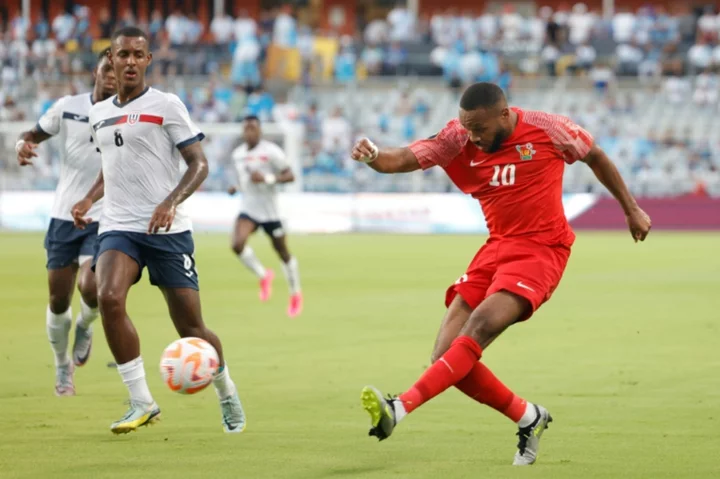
273	229
65	243
169	258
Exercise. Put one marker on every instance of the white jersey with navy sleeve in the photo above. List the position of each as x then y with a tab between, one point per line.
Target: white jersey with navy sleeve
67	119
140	142
259	200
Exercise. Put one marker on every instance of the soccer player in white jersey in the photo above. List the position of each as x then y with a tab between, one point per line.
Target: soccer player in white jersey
143	134
69	249
261	165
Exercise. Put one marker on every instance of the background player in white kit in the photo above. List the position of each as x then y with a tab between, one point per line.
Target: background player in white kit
69	249
261	165
143	134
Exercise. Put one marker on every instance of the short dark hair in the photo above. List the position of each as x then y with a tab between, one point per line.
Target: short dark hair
251	118
481	95
129	31
103	54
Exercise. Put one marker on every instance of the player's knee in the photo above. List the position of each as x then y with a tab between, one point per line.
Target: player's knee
88	291
484	328
110	300
59	303
238	247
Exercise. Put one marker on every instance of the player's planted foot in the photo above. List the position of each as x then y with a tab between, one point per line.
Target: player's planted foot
139	414
266	285
233	416
384	413
296	305
529	438
64	380
82	345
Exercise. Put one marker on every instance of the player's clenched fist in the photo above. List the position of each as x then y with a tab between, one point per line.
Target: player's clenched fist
365	151
162	217
25	151
639	223
79	210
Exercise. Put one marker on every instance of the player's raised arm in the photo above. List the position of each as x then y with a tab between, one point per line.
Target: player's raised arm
47	126
387	160
605	171
439	149
26	144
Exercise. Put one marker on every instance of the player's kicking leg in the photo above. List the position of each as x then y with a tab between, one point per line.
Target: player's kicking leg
485	323
184	307
117	268
244	227
177	278
290	268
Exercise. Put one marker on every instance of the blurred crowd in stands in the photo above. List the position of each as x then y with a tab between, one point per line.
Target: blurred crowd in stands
219	70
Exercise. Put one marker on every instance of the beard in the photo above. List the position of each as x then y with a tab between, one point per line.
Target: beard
496	143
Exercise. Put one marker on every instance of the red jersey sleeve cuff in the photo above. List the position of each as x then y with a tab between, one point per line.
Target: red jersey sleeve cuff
423	154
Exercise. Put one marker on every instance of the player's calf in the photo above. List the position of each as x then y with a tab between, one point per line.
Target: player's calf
88	314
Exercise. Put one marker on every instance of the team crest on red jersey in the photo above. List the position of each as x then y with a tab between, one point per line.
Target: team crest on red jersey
133	118
526	151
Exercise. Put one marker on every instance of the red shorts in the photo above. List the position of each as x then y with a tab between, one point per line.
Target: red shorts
530	270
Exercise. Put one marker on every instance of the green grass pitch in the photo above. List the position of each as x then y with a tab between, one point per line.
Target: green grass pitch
625	356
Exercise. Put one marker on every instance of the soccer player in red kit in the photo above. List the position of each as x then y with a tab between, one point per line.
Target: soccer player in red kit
512	161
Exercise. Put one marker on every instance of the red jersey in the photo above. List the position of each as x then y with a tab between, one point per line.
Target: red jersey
520	185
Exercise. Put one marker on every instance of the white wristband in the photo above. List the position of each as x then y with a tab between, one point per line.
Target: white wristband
370	159
19	145
270	179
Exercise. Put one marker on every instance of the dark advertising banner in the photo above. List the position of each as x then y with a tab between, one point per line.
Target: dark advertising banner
685	213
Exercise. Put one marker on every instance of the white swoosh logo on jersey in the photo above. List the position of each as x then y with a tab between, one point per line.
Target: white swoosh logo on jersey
523	285
473	163
80	117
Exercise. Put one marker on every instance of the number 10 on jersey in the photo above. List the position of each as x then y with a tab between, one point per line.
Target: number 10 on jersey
503	176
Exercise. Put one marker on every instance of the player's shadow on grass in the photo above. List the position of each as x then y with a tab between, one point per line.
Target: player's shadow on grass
350	471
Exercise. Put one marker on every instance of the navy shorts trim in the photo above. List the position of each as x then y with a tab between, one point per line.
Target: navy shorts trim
274	229
64	243
169	258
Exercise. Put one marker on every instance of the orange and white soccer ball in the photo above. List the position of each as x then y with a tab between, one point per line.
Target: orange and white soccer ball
188	365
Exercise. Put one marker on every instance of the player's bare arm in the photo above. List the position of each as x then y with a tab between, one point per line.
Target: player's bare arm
605	171
192	179
387	160
285	176
26	144
80	209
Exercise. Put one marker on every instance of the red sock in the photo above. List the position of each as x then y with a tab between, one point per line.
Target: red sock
482	385
454	365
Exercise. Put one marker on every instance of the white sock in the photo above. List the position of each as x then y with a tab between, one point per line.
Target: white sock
58	330
529	416
292	274
224	386
400	412
87	315
133	375
253	264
